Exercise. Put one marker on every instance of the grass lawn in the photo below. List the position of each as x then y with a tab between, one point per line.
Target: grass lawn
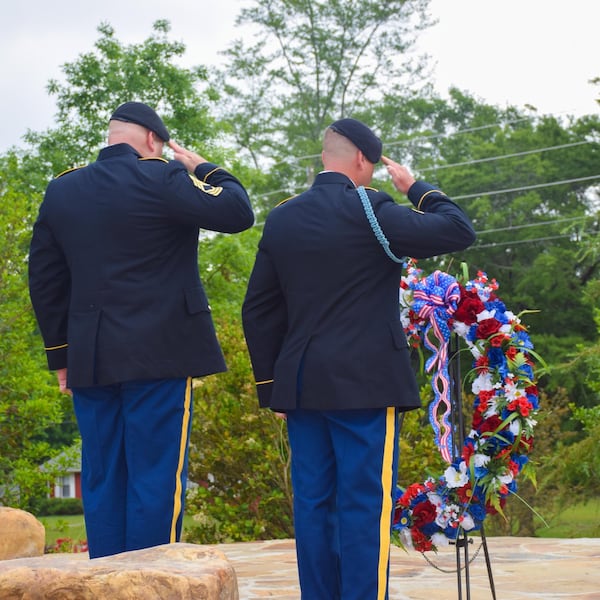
71	526
582	520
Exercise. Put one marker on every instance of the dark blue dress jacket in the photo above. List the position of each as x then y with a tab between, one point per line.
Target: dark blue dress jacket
113	267
321	313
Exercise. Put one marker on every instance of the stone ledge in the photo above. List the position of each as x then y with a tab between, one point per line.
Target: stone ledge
172	571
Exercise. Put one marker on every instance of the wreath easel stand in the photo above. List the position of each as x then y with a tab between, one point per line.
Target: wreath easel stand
458	436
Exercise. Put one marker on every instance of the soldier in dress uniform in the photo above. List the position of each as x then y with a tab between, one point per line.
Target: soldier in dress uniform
114	282
322	324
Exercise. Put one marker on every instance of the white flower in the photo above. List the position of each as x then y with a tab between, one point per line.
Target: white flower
480	460
435	499
512	392
515	427
439	540
406	539
484	382
466	521
486	314
461	329
492	408
454	478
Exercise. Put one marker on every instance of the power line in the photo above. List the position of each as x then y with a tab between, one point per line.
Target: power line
515	242
419	138
503	156
513	227
525	188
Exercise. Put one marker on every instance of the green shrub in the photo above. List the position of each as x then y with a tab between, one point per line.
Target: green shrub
45	507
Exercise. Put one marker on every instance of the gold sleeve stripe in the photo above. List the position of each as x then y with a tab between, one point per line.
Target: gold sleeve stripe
265	381
211	172
427	194
56	347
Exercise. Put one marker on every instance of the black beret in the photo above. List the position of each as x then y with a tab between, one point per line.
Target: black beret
361	136
141	114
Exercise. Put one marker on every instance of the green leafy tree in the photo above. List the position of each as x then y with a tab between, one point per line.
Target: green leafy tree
113	73
29	398
311	63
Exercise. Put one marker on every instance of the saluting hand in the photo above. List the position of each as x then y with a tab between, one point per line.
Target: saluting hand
401	176
190	159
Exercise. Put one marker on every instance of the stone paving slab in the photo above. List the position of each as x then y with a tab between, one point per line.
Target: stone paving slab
522	569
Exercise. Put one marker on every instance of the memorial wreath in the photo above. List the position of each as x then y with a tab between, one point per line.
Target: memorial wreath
477	482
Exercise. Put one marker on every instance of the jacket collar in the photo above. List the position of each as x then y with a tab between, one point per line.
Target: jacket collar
325	177
117	150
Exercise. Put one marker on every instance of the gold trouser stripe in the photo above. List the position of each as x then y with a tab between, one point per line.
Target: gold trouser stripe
385	522
182	448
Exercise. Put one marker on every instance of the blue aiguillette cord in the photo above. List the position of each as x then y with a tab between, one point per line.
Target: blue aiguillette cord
375	224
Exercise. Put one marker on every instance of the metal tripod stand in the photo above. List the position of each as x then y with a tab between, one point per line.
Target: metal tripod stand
458	437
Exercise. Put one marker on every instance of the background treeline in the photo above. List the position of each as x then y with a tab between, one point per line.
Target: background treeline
529	182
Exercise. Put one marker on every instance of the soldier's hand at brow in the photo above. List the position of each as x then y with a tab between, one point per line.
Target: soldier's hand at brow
401	176
190	159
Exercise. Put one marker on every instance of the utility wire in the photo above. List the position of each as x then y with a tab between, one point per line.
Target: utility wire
432	136
526	187
503	156
513	227
515	242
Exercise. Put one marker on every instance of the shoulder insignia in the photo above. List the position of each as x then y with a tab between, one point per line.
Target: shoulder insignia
153	158
205	187
286	200
371	188
69	171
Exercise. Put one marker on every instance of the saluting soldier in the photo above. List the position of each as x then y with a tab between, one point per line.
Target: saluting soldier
114	282
322	324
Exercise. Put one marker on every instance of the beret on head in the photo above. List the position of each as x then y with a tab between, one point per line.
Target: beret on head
361	136
141	114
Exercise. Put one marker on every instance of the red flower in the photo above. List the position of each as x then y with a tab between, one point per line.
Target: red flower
522	405
411	492
486	395
423	513
482	361
465	493
497	340
420	541
487	327
511	352
491	424
468	308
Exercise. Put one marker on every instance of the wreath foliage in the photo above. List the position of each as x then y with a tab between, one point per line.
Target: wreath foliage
495	451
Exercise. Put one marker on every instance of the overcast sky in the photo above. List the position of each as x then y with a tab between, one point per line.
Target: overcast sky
505	52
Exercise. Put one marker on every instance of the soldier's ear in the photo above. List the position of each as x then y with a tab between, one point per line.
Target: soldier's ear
154	143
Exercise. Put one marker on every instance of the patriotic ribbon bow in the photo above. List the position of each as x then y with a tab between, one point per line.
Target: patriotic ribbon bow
435	299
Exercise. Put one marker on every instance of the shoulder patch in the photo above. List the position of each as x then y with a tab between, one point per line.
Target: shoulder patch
154	158
205	187
69	171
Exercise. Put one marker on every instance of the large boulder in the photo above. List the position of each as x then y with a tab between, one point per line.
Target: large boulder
21	534
169	572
